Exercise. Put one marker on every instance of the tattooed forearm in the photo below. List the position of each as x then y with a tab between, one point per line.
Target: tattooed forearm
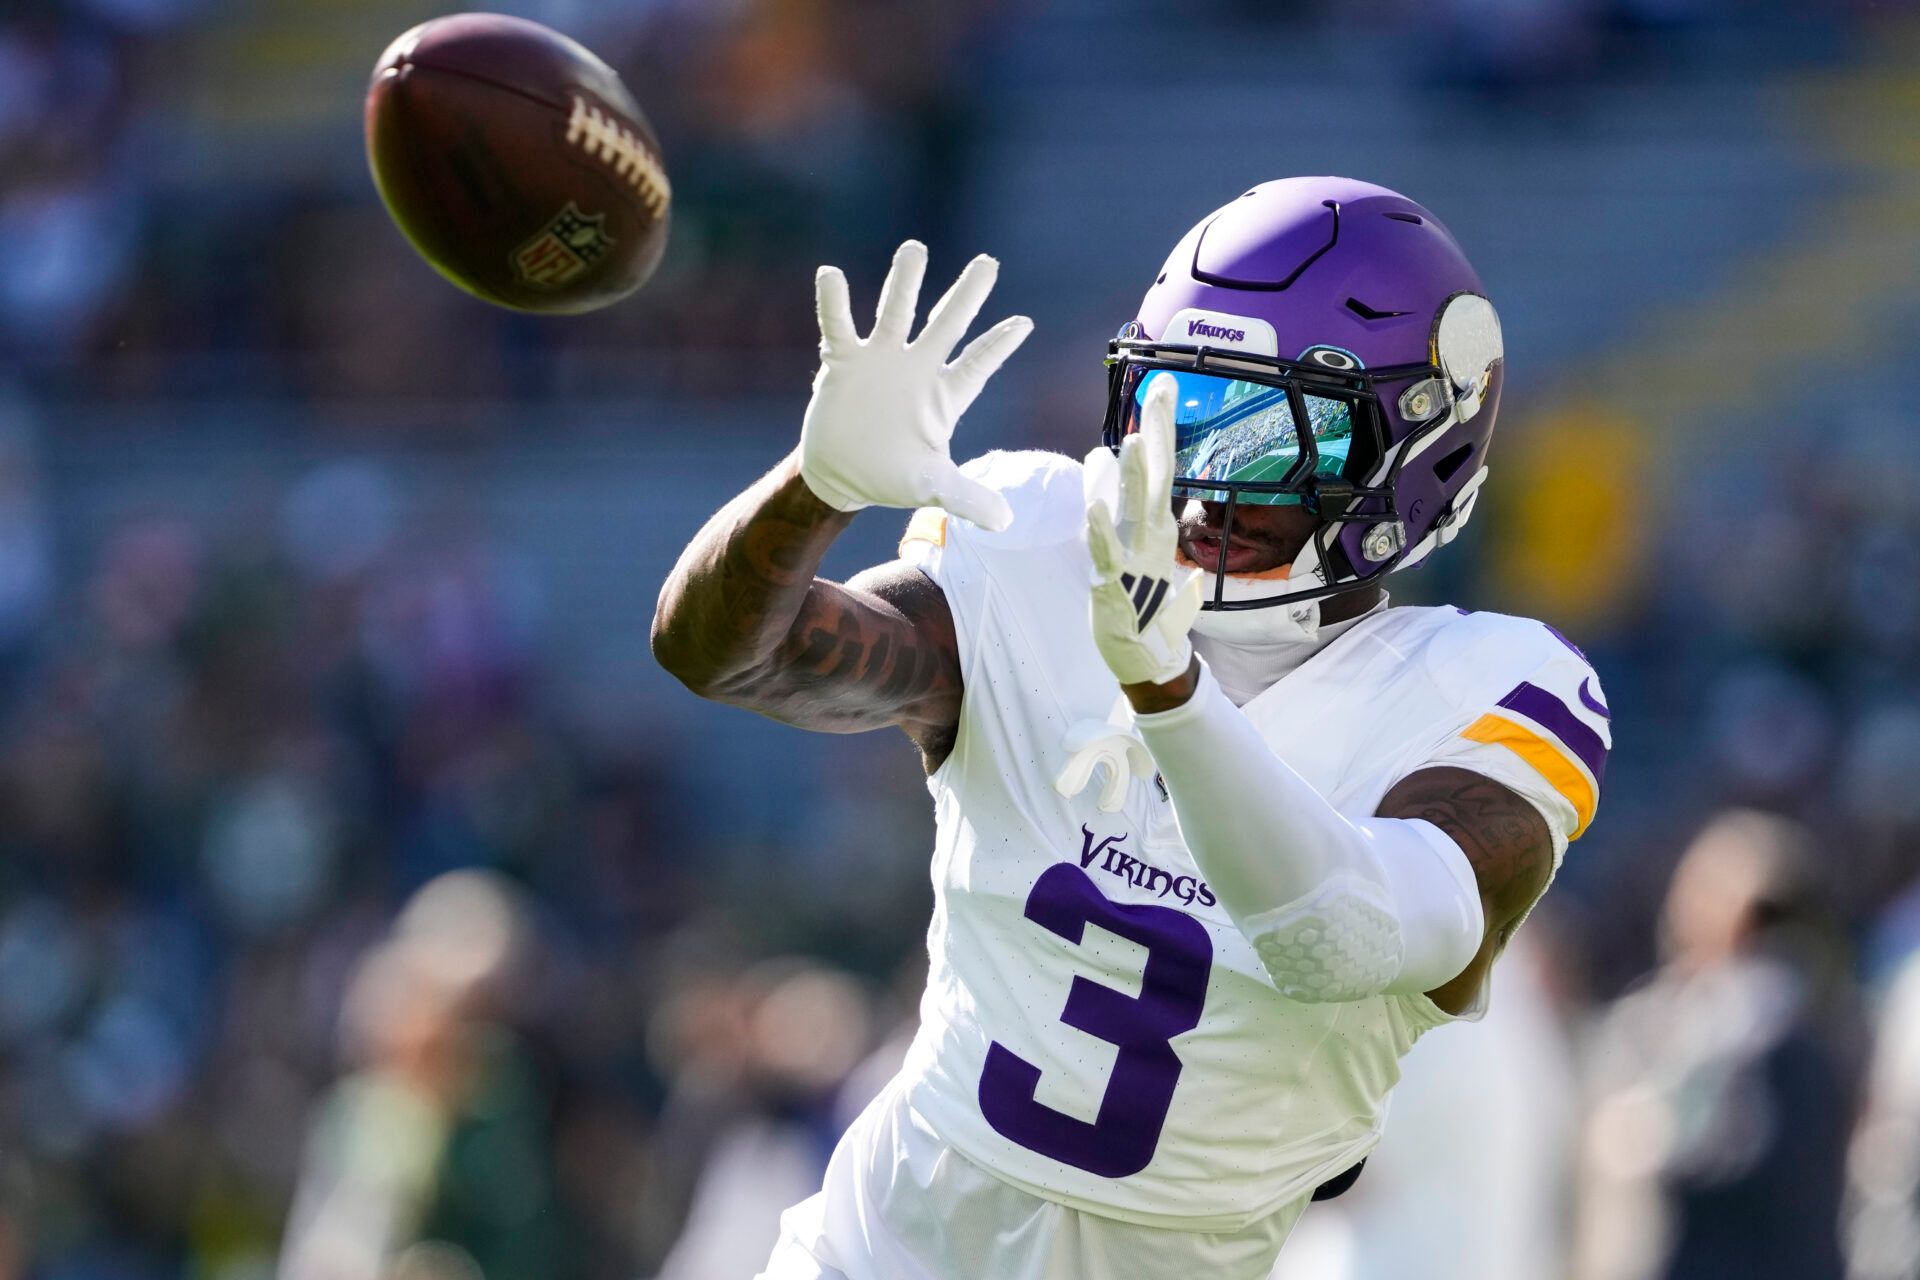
743	619
743	580
1505	839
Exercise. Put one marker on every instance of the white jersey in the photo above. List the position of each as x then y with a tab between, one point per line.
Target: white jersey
1095	1030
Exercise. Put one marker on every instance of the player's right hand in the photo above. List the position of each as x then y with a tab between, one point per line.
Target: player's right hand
877	431
1144	602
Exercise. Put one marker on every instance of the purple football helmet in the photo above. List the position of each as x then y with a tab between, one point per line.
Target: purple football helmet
1333	348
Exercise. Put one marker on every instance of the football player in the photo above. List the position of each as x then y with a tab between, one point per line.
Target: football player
1221	834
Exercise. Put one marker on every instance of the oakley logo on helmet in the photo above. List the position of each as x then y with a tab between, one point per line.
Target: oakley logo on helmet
1332	358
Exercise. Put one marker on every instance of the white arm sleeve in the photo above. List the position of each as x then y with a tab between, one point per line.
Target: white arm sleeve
1338	909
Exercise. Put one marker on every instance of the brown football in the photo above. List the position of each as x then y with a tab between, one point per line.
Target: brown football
517	163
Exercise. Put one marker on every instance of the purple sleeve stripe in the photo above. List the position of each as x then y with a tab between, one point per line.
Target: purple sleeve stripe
1561	637
1541	707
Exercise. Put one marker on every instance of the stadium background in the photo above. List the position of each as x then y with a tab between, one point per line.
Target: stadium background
324	593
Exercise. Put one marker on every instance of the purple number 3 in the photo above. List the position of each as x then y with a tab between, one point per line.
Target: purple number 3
1173	990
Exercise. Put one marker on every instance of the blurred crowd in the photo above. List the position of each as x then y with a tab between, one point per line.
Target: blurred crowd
190	178
333	946
336	943
229	756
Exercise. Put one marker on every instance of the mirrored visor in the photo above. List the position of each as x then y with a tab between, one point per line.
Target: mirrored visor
1229	429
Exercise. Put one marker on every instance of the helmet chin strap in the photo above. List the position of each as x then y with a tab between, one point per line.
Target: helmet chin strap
1297	622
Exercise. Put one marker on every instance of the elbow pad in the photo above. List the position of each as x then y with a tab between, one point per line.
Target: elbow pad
1402	918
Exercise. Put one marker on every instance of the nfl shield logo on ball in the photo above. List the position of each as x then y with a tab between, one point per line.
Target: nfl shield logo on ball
565	250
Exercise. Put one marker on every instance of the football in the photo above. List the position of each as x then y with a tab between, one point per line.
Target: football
517	163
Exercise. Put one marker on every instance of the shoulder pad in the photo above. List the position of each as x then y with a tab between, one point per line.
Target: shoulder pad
1478	657
1042	488
1518	684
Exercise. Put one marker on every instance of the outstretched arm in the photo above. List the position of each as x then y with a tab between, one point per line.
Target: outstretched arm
1282	858
1338	908
742	619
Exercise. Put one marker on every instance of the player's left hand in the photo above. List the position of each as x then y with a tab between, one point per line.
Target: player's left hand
1144	602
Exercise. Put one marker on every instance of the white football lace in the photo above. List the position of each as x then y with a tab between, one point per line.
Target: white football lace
594	132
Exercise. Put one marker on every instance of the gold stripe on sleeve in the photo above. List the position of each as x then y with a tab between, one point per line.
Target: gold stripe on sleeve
1549	761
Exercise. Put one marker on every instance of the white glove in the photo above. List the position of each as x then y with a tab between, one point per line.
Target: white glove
884	409
1143	601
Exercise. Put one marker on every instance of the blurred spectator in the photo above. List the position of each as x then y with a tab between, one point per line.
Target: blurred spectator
26	551
1717	1135
1883	1230
1473	1178
752	1106
434	1156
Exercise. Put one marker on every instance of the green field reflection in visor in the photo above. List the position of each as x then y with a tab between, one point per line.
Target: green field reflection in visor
1231	429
